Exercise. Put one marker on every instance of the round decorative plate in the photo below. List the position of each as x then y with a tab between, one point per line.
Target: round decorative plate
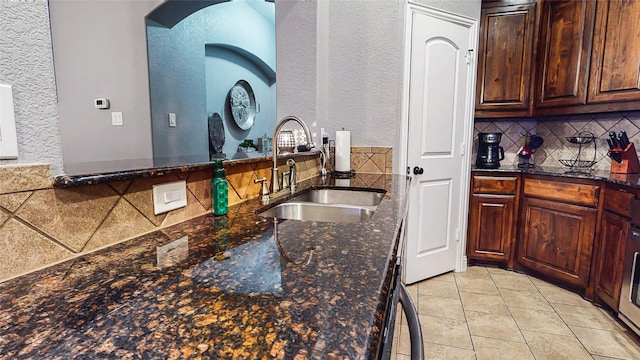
216	133
242	102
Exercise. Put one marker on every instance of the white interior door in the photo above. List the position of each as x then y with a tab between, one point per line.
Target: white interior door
439	125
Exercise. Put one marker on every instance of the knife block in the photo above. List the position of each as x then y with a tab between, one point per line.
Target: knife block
629	164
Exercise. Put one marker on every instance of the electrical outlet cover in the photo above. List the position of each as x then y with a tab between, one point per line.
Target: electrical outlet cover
169	196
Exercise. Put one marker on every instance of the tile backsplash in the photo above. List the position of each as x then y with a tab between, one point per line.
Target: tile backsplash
41	225
554	130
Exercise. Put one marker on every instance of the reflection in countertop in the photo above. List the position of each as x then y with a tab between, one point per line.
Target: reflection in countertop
216	287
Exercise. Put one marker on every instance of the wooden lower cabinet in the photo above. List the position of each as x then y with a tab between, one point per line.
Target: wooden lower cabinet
491	227
614	230
556	239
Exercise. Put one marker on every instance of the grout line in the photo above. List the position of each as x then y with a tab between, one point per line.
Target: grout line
102	221
573	335
143	215
464	313
195	197
49	237
511	315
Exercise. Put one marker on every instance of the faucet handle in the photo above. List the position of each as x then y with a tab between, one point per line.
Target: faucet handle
265	189
293	178
285	179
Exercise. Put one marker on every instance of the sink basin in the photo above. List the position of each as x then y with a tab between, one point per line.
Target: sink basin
341	196
319	212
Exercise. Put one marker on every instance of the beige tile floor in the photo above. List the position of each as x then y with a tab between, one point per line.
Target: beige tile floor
495	314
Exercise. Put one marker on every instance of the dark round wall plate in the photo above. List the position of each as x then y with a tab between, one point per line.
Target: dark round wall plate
216	133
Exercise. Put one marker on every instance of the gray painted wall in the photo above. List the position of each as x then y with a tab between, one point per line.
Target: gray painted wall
366	47
470	8
366	64
26	63
100	52
297	57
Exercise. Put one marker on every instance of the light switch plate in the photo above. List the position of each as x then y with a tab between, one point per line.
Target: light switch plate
116	119
169	196
172	120
8	138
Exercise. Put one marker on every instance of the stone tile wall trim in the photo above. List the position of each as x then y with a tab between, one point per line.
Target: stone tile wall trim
24	177
368	159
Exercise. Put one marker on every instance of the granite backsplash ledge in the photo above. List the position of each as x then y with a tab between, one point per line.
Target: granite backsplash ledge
554	130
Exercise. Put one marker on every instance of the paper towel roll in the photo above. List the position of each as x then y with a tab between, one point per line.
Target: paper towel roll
343	151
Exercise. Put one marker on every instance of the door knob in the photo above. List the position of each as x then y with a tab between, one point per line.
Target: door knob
418	170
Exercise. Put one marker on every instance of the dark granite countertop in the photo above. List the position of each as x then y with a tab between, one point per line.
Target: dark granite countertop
216	287
632	180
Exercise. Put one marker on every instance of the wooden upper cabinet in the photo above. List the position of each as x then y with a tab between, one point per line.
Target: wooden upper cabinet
615	58
566	29
538	58
505	56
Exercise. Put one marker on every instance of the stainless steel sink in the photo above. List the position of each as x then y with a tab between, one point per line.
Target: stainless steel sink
341	196
319	212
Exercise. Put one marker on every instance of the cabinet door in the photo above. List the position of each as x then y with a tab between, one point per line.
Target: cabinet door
615	58
614	230
491	227
557	239
505	54
565	48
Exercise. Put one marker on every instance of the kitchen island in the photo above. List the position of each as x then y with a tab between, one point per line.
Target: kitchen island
217	287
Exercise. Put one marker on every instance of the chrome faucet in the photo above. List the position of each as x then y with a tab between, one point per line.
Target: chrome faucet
275	186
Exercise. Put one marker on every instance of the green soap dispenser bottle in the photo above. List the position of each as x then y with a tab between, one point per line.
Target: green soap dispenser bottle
219	190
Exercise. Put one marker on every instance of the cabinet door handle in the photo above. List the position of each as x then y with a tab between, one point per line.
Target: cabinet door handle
418	170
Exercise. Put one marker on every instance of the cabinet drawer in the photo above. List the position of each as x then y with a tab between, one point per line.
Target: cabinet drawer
574	193
494	184
618	201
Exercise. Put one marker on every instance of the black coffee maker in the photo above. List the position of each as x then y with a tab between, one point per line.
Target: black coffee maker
489	151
